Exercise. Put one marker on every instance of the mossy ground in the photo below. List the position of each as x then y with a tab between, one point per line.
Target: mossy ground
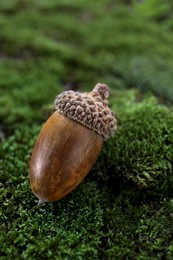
124	207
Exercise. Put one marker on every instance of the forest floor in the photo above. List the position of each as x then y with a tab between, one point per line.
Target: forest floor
124	207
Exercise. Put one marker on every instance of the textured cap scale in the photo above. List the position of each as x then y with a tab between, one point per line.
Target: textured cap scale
90	109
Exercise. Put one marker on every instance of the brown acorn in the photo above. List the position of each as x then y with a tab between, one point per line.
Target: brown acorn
70	142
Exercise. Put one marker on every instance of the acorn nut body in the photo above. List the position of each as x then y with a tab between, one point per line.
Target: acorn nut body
70	142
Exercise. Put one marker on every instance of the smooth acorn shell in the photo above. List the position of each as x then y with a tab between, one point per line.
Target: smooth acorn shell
62	156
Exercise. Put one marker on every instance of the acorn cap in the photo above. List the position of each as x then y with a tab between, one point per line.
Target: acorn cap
89	109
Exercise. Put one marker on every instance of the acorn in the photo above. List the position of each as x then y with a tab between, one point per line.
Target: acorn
70	142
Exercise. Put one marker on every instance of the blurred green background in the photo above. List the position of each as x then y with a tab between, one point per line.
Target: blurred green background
124	207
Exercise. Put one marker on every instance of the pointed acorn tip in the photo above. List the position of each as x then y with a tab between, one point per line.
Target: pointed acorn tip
40	202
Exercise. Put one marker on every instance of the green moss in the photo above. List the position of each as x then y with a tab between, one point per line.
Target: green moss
147	75
30	87
123	209
106	216
141	151
158	11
